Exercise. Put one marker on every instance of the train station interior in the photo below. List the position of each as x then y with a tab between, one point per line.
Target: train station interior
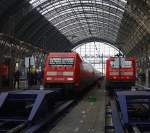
74	66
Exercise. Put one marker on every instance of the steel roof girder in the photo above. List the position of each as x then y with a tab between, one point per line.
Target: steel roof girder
104	39
134	39
141	20
90	21
79	34
70	13
79	30
116	3
92	26
99	18
103	36
85	6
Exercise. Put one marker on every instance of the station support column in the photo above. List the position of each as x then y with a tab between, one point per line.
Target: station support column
147	78
11	72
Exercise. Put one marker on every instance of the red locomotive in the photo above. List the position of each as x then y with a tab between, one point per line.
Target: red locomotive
120	72
68	71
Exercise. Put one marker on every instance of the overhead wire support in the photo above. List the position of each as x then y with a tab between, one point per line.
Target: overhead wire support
101	57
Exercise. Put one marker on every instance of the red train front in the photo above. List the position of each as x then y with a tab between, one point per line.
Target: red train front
67	70
120	72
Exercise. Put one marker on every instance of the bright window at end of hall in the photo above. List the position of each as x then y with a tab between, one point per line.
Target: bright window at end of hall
56	61
97	53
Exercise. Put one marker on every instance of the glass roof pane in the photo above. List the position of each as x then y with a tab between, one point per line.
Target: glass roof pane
99	18
70	14
79	33
90	17
96	53
93	23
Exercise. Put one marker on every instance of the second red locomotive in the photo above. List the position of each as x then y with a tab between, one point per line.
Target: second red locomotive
120	73
68	71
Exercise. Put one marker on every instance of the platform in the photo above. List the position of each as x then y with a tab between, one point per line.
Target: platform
86	117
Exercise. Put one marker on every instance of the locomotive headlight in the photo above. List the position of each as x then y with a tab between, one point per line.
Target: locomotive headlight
49	78
67	73
51	73
69	79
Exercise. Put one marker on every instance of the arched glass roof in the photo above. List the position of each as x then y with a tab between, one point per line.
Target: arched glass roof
81	19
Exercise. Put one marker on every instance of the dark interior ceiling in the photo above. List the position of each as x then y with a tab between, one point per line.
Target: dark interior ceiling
59	25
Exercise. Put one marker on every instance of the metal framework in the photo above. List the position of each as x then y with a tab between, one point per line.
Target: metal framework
60	25
14	48
135	25
79	20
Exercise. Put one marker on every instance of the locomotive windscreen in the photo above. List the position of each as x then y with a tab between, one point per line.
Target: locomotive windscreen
58	61
120	62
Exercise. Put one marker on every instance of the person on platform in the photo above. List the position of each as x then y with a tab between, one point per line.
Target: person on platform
16	79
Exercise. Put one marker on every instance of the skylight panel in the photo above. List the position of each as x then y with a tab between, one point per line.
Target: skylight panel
83	15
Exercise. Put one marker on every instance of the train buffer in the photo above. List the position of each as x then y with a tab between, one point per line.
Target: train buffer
28	110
